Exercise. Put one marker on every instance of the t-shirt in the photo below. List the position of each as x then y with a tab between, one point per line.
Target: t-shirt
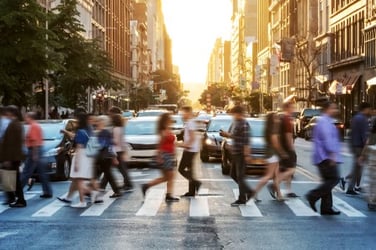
168	144
240	134
286	127
34	137
82	137
191	126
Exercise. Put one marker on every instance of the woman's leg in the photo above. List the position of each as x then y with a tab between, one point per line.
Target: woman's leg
124	170
81	189
170	176
276	181
157	181
106	166
270	170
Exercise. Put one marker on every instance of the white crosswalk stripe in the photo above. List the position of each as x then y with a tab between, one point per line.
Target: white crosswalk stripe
299	208
98	209
345	208
4	208
250	209
199	206
153	201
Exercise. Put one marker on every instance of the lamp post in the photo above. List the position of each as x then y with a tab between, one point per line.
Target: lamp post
100	96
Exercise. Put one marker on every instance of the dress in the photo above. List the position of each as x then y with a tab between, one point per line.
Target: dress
85	163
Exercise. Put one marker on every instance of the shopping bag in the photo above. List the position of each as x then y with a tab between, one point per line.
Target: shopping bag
8	179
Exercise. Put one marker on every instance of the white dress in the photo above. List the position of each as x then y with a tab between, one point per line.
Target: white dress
85	165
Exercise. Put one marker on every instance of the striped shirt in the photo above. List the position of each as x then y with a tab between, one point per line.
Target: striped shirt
240	134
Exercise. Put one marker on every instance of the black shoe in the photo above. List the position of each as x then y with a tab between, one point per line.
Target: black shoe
31	184
237	203
358	189
46	196
6	203
188	195
144	189
311	202
330	212
115	195
170	198
18	204
65	200
272	191
292	195
342	183
351	192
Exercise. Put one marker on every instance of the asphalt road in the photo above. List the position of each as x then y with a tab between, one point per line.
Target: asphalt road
206	222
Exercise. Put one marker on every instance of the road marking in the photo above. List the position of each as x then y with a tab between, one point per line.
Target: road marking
345	208
3	208
98	209
250	209
299	208
6	234
230	180
152	203
137	174
199	206
51	208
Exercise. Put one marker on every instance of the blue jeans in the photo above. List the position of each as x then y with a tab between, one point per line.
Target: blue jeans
38	165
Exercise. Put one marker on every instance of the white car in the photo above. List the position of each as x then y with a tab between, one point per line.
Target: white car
142	140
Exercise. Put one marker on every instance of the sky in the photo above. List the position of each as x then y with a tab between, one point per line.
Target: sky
193	26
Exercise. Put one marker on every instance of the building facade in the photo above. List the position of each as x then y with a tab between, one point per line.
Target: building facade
370	51
219	65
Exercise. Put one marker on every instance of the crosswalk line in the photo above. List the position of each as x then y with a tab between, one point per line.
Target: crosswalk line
299	208
199	206
250	209
51	208
152	203
345	208
98	209
3	208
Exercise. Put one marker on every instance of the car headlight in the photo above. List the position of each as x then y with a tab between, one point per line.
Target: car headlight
52	152
209	141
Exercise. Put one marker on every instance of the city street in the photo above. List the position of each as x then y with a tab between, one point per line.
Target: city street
207	222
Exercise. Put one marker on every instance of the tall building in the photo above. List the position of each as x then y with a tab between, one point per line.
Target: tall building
219	65
99	22
168	66
370	51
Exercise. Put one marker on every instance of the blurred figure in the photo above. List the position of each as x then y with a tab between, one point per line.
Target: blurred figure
359	135
191	147
166	158
241	151
288	162
34	143
326	156
11	153
273	150
4	122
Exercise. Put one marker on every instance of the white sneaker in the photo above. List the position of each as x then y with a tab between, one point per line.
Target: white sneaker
79	205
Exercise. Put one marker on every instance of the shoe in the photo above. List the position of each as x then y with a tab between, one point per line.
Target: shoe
127	189
188	195
65	200
18	204
237	203
115	195
312	203
292	195
170	198
271	190
6	203
46	196
98	201
330	212
358	189
144	189
79	205
31	184
352	192
342	183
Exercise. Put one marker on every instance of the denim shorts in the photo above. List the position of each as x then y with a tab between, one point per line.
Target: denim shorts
169	161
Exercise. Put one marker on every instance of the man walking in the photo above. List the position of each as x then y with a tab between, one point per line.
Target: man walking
326	156
240	154
191	147
359	136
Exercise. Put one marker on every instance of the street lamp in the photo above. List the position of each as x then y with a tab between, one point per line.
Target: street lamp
100	96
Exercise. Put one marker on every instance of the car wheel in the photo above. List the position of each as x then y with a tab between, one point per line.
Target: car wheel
204	156
65	170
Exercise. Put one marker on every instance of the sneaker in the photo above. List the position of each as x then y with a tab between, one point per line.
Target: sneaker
115	195
188	195
292	195
342	183
79	205
352	192
358	189
237	203
18	204
64	199
170	198
46	196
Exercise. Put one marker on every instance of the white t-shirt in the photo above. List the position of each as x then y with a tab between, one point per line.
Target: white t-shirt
191	126
118	139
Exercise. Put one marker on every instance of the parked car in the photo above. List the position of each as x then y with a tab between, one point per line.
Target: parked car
151	112
129	114
308	129
141	140
211	141
202	121
303	119
257	144
178	127
57	148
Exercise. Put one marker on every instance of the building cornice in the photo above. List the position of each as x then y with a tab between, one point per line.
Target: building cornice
346	62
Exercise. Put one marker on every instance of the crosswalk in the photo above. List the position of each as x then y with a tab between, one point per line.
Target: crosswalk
200	206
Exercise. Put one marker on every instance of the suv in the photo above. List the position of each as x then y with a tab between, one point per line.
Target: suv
304	118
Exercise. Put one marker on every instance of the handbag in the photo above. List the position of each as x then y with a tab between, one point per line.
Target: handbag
8	180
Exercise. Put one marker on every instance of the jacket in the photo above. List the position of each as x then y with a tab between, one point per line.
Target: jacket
11	145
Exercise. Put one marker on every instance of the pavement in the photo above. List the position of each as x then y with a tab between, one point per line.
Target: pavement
205	222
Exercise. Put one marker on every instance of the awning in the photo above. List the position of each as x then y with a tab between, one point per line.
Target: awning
322	78
290	98
345	85
371	82
336	88
352	80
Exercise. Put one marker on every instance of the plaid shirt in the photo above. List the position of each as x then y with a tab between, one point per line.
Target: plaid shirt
240	134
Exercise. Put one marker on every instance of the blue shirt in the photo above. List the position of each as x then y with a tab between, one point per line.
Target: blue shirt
326	141
240	136
4	123
359	130
82	137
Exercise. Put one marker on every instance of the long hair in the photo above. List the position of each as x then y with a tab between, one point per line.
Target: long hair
82	119
117	120
163	122
269	126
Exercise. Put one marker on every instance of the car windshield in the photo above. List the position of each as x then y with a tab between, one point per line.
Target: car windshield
127	114
203	117
257	128
311	112
217	125
141	128
149	113
52	131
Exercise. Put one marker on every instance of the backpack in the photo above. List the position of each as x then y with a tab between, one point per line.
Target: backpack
92	147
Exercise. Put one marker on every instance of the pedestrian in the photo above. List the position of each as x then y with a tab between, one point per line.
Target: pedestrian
273	153
11	153
359	136
191	146
165	157
4	122
34	163
326	156
287	164
241	154
82	165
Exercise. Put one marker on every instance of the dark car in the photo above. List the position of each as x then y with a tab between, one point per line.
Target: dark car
211	141
257	144
304	118
308	129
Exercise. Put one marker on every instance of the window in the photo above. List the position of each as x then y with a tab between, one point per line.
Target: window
370	48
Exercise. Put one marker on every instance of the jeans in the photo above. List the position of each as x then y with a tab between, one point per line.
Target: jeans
357	170
105	165
38	165
186	170
123	170
330	176
15	165
238	175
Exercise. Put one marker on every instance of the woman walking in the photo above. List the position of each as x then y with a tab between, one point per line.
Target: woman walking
166	158
273	149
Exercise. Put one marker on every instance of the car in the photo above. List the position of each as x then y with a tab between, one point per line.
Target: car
129	114
303	119
151	112
141	140
178	127
308	129
202	121
57	148
257	144
211	140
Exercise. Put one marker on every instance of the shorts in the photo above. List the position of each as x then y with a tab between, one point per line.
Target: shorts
289	162
273	159
169	161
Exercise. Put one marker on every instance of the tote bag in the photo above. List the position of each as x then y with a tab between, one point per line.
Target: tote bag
8	179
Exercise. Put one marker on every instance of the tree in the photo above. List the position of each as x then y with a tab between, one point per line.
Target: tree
141	98
218	93
169	82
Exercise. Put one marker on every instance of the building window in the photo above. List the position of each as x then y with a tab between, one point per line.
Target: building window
370	48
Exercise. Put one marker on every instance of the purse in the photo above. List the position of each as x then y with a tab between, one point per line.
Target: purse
8	180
